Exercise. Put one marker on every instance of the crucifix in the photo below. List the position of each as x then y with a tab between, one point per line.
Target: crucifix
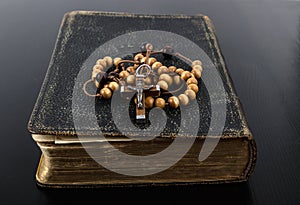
142	90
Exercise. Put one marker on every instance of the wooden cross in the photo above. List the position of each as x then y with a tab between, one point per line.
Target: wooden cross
142	90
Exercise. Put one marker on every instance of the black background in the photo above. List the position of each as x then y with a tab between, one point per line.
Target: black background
261	45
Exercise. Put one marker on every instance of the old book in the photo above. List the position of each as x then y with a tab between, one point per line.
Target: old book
82	138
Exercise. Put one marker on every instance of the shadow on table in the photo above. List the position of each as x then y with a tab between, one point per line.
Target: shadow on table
236	193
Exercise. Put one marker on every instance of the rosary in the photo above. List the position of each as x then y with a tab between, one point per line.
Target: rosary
148	78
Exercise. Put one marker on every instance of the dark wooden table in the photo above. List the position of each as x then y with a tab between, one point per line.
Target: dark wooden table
261	46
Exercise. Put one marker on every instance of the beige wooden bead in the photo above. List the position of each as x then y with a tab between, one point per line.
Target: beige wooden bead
95	73
196	73
192	80
193	87
130	79
162	69
98	67
196	62
185	75
117	60
138	57
123	74
130	69
105	93
148	80
179	71
163	84
177	80
143	60
151	61
198	67
101	62
191	94
114	86
109	61
149	46
167	78
172	68
173	102
149	102
183	99
160	102
156	65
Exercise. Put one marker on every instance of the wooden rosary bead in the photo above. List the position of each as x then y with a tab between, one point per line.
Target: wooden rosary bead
185	75
183	99
162	69
163	84
198	67
196	73
123	74
109	61
173	102
147	46
172	68
138	57
114	86
143	60
177	80
149	102
117	60
156	65
105	93
101	62
130	69
191	94
193	87
167	78
130	79
98	67
160	102
148	80
151	61
179	71
192	80
196	62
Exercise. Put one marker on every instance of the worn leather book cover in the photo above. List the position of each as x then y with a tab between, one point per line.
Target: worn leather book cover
69	127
